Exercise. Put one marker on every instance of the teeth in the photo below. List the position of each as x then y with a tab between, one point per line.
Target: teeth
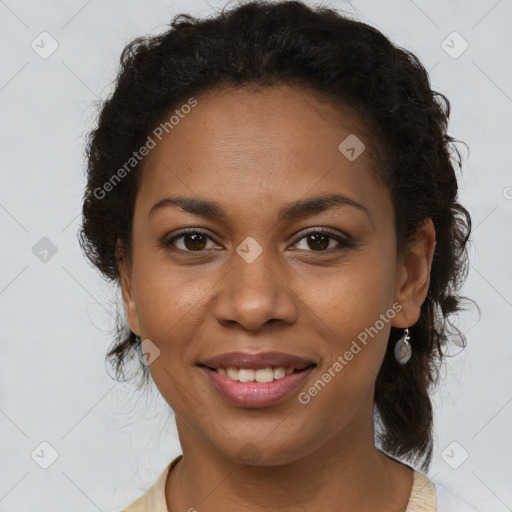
264	375
280	372
246	375
260	375
232	373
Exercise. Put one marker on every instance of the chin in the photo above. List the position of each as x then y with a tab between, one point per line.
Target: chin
252	453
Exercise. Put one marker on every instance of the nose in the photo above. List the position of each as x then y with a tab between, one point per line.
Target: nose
255	293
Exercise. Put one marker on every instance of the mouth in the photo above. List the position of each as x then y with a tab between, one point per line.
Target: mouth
257	367
261	375
252	393
256	380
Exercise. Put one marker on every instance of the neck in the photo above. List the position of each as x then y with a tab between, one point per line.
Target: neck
345	473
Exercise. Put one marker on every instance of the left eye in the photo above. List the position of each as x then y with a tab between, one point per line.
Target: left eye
319	241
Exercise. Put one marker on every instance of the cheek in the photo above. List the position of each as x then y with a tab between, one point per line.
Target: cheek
354	315
173	309
354	295
170	310
168	296
355	340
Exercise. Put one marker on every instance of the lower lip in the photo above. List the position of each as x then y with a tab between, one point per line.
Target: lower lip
256	394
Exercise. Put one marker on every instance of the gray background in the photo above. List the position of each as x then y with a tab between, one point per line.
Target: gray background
56	313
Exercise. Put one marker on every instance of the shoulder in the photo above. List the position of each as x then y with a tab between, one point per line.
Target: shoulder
153	500
448	502
429	496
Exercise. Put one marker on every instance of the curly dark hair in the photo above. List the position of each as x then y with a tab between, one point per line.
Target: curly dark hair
347	62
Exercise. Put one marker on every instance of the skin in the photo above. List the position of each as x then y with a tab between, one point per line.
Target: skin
253	152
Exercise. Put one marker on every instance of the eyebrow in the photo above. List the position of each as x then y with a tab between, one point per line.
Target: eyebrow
301	208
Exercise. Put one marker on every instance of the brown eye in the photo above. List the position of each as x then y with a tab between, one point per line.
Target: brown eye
315	241
319	241
189	241
194	241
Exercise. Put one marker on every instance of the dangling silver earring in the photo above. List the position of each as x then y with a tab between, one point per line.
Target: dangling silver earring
403	349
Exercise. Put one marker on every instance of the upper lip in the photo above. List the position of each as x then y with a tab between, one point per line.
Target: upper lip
256	361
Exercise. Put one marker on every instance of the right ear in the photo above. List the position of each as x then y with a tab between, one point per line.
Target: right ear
127	288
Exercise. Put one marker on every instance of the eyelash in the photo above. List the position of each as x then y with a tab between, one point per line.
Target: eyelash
344	243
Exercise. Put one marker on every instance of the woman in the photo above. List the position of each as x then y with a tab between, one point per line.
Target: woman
273	190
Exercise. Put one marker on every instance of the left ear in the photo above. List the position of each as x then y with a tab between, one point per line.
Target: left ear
413	275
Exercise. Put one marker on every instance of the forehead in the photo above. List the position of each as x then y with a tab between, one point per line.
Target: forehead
273	143
283	118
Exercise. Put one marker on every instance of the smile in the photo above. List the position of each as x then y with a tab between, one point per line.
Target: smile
253	393
268	374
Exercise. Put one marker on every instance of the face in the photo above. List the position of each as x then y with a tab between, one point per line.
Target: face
310	283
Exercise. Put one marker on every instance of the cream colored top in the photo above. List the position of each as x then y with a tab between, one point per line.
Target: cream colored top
423	495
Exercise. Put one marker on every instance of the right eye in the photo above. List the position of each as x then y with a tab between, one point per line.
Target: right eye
192	240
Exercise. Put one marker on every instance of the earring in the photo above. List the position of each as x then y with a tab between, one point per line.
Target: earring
403	349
